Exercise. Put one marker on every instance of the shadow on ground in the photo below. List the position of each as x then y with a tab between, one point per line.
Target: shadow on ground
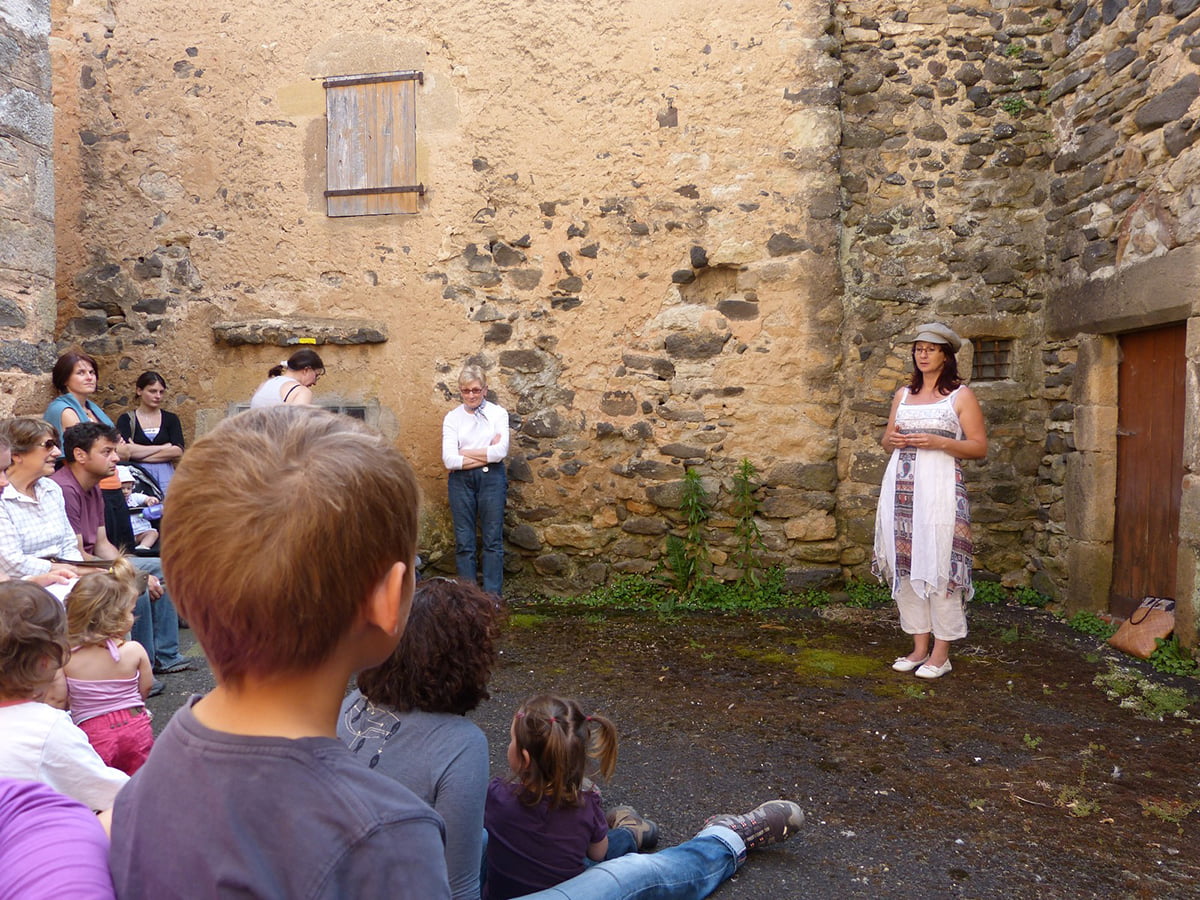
1014	776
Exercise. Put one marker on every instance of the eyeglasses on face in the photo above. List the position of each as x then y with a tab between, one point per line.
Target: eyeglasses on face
47	444
470	391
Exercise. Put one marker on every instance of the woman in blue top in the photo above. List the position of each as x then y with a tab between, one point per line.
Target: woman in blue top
74	377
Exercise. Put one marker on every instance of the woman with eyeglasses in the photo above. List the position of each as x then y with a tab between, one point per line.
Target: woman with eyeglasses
34	528
923	542
474	445
290	382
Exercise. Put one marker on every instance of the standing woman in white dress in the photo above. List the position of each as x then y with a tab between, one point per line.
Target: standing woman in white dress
922	528
290	382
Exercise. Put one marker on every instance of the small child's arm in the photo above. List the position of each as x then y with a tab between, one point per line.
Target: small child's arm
597	851
145	669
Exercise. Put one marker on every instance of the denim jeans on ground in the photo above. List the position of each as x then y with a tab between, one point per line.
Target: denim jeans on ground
689	871
476	495
156	624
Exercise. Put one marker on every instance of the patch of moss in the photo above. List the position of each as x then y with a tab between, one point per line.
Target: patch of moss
525	620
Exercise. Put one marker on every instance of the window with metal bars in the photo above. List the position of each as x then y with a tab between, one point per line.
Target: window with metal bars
993	359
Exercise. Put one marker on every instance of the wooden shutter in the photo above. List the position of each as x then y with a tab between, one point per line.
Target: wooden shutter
371	144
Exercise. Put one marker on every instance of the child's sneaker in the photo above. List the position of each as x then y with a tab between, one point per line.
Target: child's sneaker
645	832
772	823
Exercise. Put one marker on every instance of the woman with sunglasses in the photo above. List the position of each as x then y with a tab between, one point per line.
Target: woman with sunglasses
34	528
290	382
474	445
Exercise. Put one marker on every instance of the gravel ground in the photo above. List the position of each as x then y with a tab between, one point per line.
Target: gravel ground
1013	776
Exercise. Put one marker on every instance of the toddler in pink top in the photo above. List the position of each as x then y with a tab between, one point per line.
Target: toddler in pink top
108	677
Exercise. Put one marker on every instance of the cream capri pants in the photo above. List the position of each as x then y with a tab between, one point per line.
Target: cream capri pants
942	614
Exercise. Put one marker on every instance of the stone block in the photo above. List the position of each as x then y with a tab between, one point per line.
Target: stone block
1189	510
807	476
1095	381
668	495
1089	492
552	564
1187	596
580	537
814	526
1169	106
683	451
525	537
644	525
1096	429
1089	576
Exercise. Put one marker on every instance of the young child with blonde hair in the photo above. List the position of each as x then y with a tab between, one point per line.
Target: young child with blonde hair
37	741
108	677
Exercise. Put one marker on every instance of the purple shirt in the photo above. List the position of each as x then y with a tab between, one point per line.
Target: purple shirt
85	509
50	845
531	848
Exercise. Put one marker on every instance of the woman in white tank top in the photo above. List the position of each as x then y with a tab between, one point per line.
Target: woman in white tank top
922	527
290	382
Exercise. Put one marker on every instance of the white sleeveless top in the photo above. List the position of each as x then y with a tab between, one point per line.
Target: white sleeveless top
268	393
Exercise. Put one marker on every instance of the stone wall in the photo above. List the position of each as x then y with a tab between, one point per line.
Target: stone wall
1122	235
674	236
27	302
631	222
945	158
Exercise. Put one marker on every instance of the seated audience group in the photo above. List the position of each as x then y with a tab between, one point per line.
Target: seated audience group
275	783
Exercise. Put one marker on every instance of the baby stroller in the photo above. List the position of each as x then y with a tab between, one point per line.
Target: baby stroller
116	513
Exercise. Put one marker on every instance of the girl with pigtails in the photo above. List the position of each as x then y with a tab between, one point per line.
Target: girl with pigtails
547	818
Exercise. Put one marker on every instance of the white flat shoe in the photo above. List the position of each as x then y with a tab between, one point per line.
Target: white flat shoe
904	664
928	671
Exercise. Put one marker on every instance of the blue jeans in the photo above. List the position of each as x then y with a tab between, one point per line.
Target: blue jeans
155	623
479	494
690	871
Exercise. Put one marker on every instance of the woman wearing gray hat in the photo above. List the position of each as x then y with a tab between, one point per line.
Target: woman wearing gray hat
922	528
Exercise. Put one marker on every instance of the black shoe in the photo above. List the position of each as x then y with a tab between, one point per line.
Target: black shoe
182	666
157	688
645	832
772	823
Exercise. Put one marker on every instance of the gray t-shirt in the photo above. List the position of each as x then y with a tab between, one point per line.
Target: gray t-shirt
218	814
443	759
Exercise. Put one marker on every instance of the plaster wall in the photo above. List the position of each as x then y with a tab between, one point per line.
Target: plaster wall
631	222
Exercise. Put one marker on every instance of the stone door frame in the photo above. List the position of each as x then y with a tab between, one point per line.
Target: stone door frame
1149	294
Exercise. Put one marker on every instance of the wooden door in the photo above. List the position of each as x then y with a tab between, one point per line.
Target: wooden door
1149	465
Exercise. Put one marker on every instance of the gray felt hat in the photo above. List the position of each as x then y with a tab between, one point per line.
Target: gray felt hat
937	333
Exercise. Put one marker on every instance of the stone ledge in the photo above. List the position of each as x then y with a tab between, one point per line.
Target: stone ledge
299	330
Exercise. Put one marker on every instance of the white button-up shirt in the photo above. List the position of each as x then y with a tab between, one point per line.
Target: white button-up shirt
32	528
463	430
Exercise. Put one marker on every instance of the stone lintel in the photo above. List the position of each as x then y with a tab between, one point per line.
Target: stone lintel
299	330
1155	292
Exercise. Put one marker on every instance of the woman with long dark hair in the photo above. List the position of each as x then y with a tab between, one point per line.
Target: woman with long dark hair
155	435
922	527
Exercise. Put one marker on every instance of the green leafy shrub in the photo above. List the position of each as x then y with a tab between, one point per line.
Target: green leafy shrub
867	595
991	593
1027	596
1171	658
1090	623
1014	49
626	592
747	556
